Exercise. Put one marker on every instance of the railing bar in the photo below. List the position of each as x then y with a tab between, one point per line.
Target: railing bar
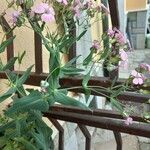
72	51
96	112
102	122
87	135
10	48
113	6
118	139
61	133
38	53
35	80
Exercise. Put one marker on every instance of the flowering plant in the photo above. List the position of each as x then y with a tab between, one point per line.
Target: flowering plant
21	125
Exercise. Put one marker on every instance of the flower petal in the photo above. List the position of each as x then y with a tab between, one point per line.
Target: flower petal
134	73
47	18
135	81
140	81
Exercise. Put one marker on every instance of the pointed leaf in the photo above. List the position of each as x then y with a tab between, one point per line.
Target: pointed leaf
33	101
81	35
21	57
69	63
66	100
10	63
7	94
88	59
28	145
117	105
6	43
24	77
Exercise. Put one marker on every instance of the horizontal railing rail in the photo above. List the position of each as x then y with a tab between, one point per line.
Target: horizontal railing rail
68	82
99	119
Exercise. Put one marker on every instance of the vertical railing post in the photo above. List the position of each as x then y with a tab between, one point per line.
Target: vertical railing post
113	6
87	135
61	133
9	34
38	53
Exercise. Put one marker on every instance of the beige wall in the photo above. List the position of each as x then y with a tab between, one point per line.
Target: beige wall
132	5
24	42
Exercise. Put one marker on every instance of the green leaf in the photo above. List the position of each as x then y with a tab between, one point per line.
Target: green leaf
20	57
117	105
85	81
88	59
105	54
7	94
6	126
27	144
6	43
66	100
2	142
81	35
1	65
24	77
71	71
33	101
10	64
72	61
42	137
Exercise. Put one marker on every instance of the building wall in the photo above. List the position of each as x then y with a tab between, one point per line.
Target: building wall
132	5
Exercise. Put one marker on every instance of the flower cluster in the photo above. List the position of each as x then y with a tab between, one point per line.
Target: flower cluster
117	36
119	55
138	78
45	11
141	74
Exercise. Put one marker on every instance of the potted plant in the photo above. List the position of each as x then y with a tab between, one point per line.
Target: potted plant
21	124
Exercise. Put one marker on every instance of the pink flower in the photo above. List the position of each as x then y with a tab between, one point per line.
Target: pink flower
41	8
65	2
145	66
111	33
76	11
124	59
118	35
128	121
138	78
47	13
123	55
124	64
14	17
96	44
77	7
120	38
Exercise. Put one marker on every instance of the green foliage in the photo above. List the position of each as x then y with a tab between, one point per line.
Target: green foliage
10	64
33	101
6	43
22	126
66	100
21	56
